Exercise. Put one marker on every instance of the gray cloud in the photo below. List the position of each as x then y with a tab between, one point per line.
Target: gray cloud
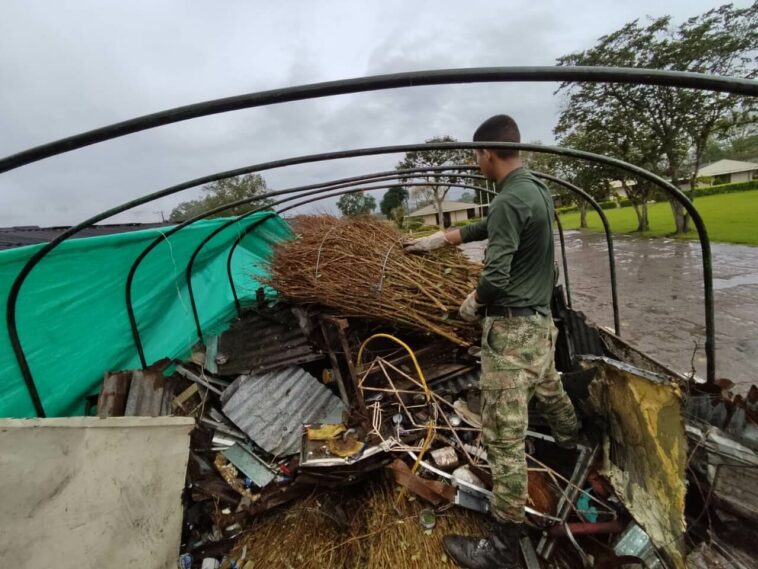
69	67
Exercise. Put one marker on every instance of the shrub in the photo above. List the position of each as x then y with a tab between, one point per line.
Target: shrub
413	222
726	188
466	222
428	228
608	204
566	209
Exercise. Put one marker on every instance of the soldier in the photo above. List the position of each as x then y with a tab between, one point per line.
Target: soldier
518	336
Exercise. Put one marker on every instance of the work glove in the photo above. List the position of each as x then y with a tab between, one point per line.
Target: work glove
469	308
426	244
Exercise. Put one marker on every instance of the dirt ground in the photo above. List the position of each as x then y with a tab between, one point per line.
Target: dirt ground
661	298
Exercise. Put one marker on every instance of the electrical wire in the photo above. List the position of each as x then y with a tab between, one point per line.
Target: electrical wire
422	378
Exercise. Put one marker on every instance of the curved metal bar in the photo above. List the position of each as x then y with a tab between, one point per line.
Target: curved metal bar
563	256
133	270
163	236
368	178
608	239
549	177
641	172
223	226
380	82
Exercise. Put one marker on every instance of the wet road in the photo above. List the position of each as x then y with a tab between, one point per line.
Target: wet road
661	298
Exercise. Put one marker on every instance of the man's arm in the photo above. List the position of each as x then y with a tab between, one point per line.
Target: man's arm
474	232
453	236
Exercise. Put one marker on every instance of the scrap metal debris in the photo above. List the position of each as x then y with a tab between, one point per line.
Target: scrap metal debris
272	408
322	440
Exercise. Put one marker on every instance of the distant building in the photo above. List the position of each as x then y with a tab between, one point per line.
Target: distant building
730	172
452	212
617	188
721	172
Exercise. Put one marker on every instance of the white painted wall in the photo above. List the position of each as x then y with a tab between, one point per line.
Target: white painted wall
740	177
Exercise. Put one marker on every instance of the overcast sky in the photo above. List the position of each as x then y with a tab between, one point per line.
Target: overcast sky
67	67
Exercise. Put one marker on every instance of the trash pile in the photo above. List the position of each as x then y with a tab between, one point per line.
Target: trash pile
299	407
334	434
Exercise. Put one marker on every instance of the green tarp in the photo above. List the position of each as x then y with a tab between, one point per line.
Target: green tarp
71	311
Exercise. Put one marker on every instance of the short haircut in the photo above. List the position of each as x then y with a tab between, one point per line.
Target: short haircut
500	128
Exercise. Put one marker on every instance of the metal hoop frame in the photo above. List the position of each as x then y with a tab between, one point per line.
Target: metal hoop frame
441	77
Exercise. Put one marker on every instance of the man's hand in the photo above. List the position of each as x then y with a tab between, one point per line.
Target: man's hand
425	244
469	308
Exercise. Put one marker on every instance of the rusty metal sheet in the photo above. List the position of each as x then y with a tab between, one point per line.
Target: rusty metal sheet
263	340
113	394
148	393
272	408
433	491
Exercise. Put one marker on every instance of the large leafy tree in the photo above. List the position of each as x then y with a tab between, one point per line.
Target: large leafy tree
434	191
596	178
222	192
740	145
357	203
392	199
667	129
593	179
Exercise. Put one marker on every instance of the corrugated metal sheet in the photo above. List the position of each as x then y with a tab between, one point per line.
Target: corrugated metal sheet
113	394
458	384
149	393
263	340
735	417
271	408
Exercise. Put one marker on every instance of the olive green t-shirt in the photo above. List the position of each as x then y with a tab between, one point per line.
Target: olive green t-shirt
519	262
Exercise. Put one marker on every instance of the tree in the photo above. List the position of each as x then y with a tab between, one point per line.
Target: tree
742	144
222	192
435	191
357	203
392	198
592	178
667	129
398	216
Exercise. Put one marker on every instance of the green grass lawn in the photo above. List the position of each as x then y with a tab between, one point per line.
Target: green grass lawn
729	218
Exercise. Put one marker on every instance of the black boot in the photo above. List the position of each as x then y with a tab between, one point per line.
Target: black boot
498	551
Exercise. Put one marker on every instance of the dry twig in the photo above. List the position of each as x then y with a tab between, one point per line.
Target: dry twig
358	267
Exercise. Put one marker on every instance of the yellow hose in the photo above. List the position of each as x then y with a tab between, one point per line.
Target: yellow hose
427	392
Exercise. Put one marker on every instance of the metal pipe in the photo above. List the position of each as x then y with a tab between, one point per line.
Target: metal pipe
407	173
641	172
563	256
369	178
206	214
608	240
583	464
486	189
223	226
586	528
580	74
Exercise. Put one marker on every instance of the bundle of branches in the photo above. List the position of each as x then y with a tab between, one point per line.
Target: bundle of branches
358	267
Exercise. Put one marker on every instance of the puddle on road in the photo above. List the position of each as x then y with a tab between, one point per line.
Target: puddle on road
661	297
739	280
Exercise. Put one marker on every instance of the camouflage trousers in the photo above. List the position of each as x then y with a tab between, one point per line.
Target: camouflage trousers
518	361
